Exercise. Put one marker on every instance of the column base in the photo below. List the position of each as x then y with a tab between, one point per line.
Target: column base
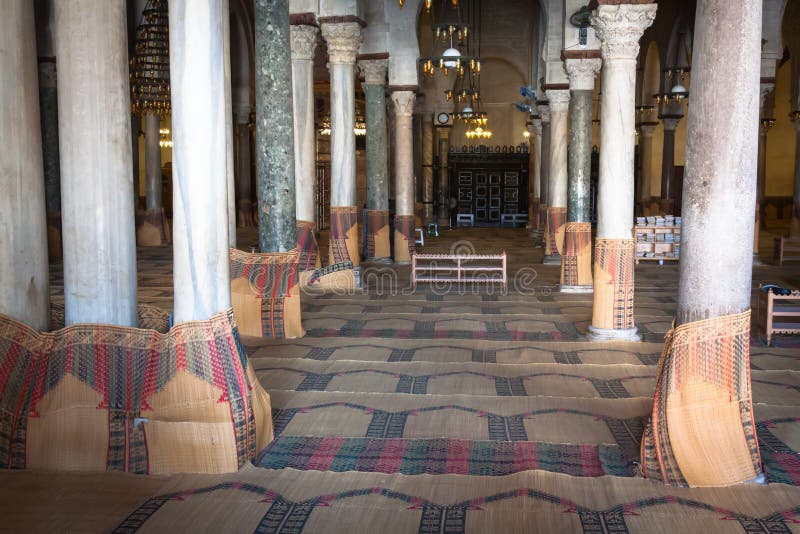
552	259
576	289
386	261
152	228
604	334
404	245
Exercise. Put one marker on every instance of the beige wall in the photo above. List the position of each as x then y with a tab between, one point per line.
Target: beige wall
781	139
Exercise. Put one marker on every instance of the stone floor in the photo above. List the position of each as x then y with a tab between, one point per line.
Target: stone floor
437	409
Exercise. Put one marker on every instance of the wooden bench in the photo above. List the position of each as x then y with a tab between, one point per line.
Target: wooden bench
787	249
773	307
513	219
459	268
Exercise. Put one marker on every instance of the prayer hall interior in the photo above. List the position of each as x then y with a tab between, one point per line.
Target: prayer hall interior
400	265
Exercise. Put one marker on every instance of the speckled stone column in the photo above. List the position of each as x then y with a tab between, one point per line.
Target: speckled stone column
427	168
443	133
24	277
277	227
576	260
48	106
794	229
404	176
244	187
558	100
343	39
378	245
97	208
703	388
544	167
668	163
646	130
619	28
304	44
199	159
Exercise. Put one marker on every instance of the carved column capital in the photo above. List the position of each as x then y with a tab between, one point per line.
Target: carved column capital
343	40
764	90
558	99
403	103
544	112
620	27
535	127
647	130
582	72
304	42
374	70
671	123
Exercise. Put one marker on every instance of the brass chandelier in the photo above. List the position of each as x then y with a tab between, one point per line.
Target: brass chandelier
428	3
149	66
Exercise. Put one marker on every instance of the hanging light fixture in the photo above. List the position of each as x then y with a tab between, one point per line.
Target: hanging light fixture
149	66
402	3
451	35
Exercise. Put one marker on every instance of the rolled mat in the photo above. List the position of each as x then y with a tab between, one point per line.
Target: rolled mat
613	284
344	236
404	238
702	430
148	317
576	266
377	245
265	294
100	397
556	222
308	259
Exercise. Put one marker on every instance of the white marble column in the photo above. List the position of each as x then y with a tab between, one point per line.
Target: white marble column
619	28
444	176
403	175
97	208
557	179
304	43
229	157
543	110
199	159
343	41
646	130
534	173
766	122
24	277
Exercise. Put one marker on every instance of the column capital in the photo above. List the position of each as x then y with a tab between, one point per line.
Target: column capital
581	73
343	40
403	103
304	42
620	27
535	126
646	129
558	99
671	122
765	88
544	112
374	70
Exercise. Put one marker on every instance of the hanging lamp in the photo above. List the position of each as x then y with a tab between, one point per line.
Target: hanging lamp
149	66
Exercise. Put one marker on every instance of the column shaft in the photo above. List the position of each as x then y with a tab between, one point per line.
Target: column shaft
97	208
199	159
304	44
703	388
377	220
619	28
576	264
544	166
24	277
427	168
152	157
229	157
646	155
48	106
404	176
244	189
277	227
444	176
668	166
557	175
794	229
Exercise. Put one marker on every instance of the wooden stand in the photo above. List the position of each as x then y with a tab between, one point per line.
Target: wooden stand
787	249
772	306
665	243
458	264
